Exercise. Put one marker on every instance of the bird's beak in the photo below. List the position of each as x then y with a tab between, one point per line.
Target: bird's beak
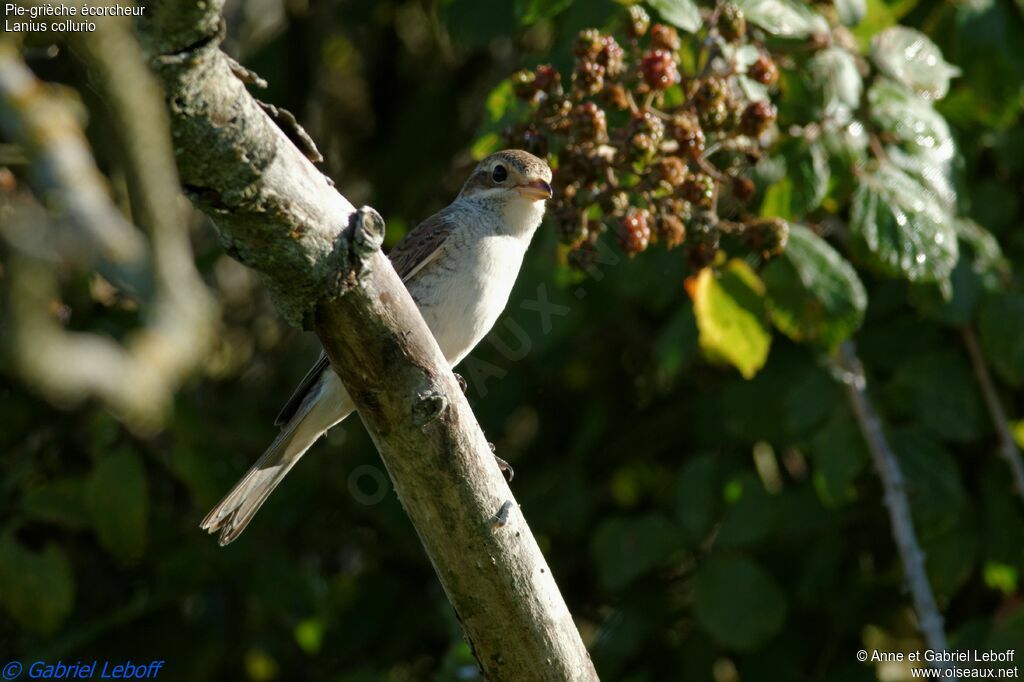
536	189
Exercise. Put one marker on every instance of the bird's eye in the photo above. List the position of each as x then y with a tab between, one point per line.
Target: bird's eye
499	174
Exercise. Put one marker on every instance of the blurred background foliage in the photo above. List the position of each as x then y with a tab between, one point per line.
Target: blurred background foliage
701	525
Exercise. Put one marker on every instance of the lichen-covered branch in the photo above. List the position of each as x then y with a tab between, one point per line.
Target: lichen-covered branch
1007	445
887	466
322	261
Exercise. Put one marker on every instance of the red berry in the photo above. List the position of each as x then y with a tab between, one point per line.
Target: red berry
548	79
757	118
589	124
664	38
686	131
634	231
703	239
659	69
764	71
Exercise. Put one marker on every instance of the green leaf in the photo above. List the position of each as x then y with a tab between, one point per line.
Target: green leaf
625	548
903	226
696	496
37	589
1000	330
750	512
851	12
61	501
910	57
814	294
738	603
839	456
987	256
912	120
786	18
834	74
532	11
683	14
730	309
943	394
118	501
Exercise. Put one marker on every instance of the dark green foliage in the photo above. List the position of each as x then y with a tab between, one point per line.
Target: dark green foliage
696	521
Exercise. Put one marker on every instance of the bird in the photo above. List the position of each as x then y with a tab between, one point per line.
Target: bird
459	265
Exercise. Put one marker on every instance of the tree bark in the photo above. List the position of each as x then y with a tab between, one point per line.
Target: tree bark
321	260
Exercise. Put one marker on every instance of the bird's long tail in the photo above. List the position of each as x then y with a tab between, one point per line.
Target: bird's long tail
235	511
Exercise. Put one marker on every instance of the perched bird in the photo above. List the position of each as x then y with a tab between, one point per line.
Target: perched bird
459	265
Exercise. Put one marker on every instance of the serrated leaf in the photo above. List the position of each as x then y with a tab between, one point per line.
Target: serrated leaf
851	12
786	18
738	603
910	57
814	293
730	310
903	226
921	130
835	75
936	178
118	500
37	589
1000	330
684	14
625	548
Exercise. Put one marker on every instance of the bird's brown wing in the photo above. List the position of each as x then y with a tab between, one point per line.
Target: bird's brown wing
421	246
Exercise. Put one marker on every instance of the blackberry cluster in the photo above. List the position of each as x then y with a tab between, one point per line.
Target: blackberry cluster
648	151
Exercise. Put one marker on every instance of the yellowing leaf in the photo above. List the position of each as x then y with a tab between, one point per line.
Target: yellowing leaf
730	311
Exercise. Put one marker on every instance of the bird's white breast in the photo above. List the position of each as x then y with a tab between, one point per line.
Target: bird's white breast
464	292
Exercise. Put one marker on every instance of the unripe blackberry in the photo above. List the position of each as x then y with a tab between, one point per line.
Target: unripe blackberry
659	69
664	38
702	239
588	44
743	188
612	58
716	116
638	22
615	203
524	84
768	236
588	123
548	80
711	92
646	133
635	231
581	163
764	71
529	138
670	171
699	190
757	118
732	25
686	131
588	78
615	97
571	225
670	223
557	114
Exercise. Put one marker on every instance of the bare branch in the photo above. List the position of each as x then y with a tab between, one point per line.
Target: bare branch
322	261
1007	446
887	465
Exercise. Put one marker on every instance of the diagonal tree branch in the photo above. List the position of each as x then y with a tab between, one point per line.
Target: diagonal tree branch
1007	446
887	465
322	262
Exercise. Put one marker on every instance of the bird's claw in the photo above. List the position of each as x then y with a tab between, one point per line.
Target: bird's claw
462	382
504	466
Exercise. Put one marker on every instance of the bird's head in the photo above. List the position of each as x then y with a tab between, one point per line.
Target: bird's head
509	176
